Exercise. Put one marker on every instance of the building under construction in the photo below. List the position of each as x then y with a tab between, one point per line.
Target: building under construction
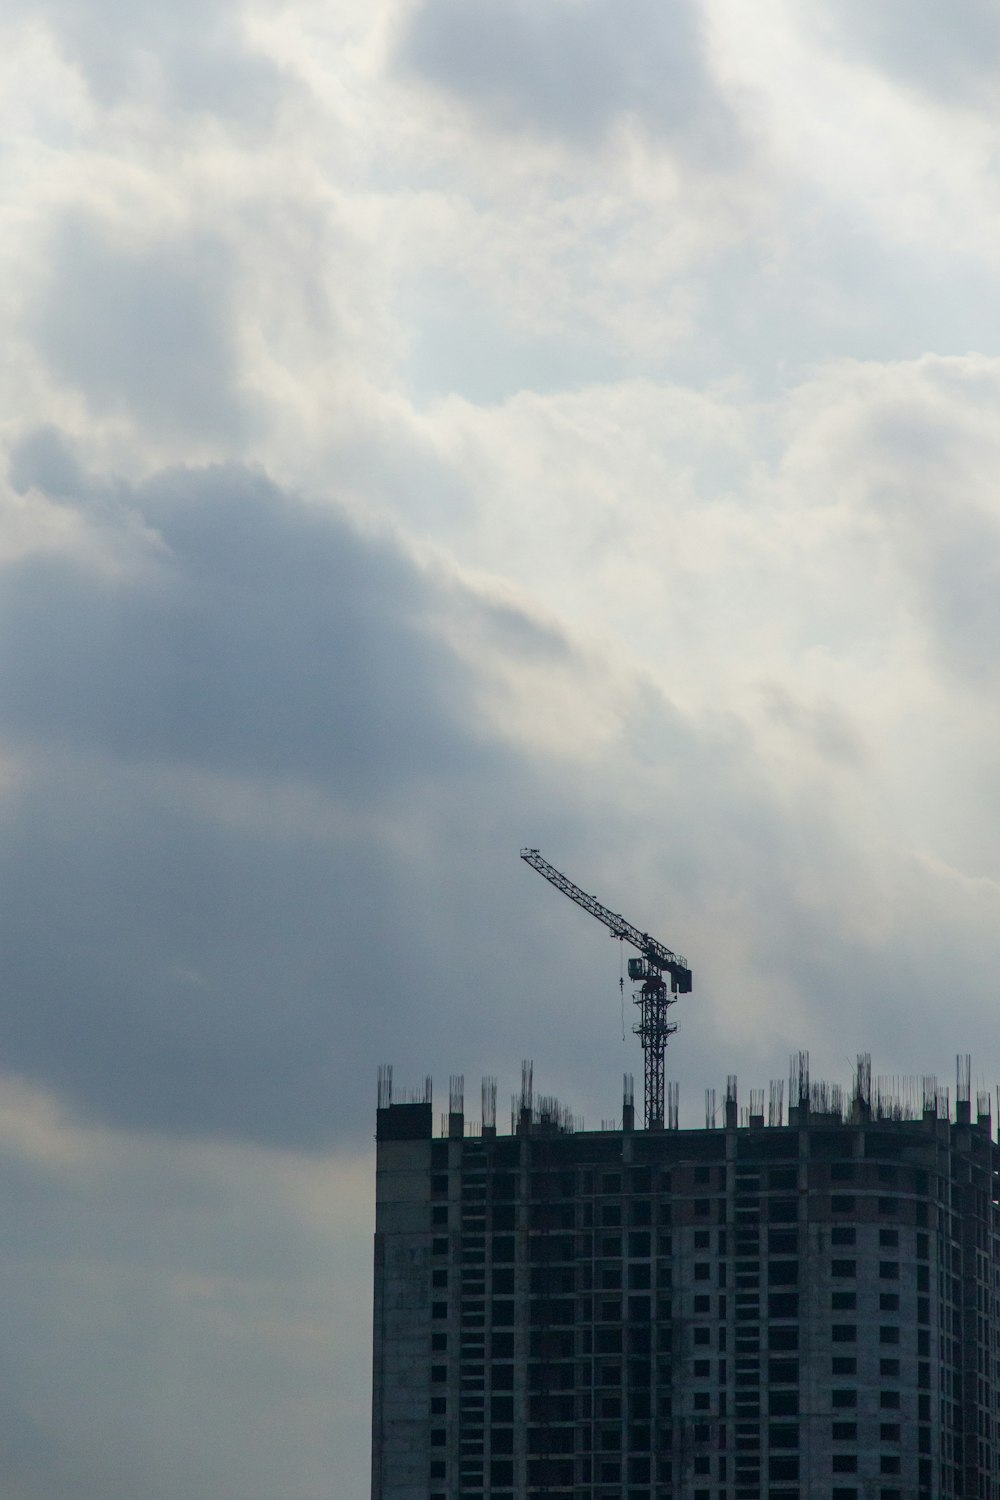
798	1302
802	1303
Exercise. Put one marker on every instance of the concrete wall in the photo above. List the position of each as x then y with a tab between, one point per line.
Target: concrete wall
401	1388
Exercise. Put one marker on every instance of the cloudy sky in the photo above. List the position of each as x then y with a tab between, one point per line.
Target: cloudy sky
432	427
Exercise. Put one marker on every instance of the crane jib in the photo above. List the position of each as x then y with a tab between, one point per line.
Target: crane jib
657	954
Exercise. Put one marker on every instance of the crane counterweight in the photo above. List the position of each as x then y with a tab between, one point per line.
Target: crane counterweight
652	997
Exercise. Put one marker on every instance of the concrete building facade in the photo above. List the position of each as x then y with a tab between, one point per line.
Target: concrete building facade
803	1308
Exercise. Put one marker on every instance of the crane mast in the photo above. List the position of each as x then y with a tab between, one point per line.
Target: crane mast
652	995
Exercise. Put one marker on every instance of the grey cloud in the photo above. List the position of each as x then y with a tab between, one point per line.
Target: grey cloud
958	572
572	69
167	1326
929	450
836	290
147	331
193	51
521	635
825	727
952	51
43	459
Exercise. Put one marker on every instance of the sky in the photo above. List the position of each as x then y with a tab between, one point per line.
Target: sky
432	427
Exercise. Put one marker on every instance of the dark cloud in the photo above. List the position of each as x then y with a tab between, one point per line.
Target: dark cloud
952	51
179	969
573	68
265	638
147	331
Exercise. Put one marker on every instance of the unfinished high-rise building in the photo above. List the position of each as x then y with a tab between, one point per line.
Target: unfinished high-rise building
798	1301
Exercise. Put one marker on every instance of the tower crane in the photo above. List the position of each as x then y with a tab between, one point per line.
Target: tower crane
652	994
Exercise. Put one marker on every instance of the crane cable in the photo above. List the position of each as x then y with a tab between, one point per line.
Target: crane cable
621	983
